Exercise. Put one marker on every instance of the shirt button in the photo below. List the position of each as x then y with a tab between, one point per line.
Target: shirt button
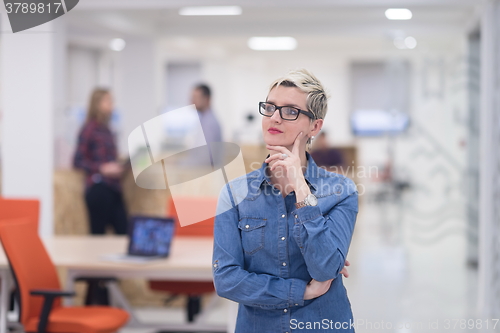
283	215
215	265
296	216
296	304
284	264
247	226
283	238
279	192
285	310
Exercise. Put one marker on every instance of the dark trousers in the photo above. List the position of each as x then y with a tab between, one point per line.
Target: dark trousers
105	206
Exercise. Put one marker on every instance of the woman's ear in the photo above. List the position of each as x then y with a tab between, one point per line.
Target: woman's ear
316	127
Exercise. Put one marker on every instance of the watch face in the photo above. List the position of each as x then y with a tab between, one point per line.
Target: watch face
312	200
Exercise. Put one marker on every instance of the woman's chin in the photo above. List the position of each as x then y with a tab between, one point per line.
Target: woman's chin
281	143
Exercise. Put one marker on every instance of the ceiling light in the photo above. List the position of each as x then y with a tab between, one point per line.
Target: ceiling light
117	44
405	43
410	42
272	43
398	14
210	10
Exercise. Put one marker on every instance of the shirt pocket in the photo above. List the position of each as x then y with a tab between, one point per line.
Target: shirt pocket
252	233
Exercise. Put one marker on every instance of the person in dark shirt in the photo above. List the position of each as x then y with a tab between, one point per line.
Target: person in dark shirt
96	155
325	156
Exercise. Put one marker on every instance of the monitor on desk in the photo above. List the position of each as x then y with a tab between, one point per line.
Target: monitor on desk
150	236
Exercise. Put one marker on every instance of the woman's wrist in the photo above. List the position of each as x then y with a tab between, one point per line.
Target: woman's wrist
301	190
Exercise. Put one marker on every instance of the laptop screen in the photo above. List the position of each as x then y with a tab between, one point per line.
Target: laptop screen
150	236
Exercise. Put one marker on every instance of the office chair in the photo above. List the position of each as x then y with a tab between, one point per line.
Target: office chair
15	208
36	277
193	289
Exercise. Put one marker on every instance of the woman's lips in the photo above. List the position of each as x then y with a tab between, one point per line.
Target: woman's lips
274	131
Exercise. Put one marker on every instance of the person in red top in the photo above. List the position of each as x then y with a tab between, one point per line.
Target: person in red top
96	155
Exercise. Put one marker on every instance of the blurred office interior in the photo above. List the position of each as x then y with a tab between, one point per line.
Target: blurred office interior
414	109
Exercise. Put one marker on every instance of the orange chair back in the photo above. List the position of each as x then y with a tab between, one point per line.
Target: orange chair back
203	228
31	264
16	208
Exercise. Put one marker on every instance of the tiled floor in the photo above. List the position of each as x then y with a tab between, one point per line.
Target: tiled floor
408	273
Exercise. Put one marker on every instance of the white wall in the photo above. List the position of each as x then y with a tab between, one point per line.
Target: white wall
29	107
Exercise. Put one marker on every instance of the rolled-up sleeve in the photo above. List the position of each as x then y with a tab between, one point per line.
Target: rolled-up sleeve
232	281
324	237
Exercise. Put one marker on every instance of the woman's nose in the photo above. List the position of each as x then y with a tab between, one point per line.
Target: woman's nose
276	116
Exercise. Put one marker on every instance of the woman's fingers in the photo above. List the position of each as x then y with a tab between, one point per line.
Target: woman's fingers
347	263
277	164
281	149
273	157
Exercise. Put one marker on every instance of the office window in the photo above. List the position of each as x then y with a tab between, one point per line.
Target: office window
380	97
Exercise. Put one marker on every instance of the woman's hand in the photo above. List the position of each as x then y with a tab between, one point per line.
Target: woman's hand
111	169
291	165
316	288
344	271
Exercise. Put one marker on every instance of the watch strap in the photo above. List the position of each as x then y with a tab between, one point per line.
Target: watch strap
300	204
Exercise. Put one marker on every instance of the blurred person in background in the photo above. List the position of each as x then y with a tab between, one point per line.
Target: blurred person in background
324	155
201	98
96	155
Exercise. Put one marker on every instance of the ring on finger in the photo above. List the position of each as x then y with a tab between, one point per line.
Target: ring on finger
283	156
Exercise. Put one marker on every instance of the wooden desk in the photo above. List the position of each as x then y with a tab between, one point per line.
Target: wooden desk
190	259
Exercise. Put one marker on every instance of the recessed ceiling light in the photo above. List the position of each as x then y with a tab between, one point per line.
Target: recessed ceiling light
398	14
410	42
117	44
272	43
210	10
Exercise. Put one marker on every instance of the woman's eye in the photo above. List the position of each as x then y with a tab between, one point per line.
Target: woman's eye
290	111
269	108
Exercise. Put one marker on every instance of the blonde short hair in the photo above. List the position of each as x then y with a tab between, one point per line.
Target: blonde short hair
317	98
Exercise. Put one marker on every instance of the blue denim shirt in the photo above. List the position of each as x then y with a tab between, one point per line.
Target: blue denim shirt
266	251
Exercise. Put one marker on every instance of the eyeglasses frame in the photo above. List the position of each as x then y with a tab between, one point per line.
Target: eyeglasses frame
278	108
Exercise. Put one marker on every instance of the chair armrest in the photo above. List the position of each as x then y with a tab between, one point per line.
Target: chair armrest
52	293
49	295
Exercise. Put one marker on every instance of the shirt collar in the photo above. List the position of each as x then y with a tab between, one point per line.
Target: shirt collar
310	174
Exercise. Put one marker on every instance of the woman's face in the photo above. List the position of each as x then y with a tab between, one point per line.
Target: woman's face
287	130
106	104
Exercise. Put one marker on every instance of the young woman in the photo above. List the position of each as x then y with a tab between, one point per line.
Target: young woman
282	232
96	154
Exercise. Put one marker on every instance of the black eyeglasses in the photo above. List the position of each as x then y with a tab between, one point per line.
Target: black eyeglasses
286	112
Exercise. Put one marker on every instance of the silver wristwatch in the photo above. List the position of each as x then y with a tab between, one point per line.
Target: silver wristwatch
310	200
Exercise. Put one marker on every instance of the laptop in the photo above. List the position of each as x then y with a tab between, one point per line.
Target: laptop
150	237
